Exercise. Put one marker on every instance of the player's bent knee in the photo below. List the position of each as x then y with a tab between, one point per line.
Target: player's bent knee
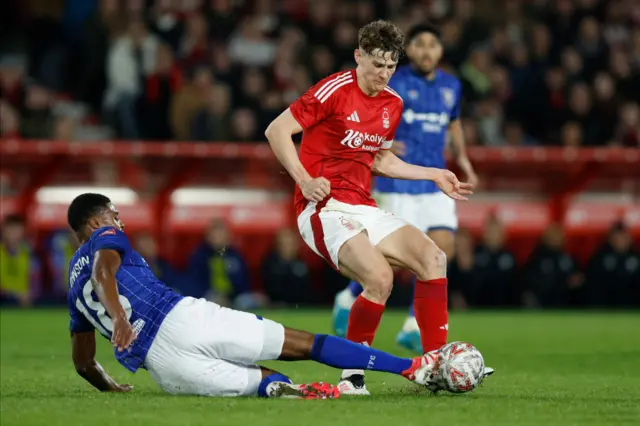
378	284
433	264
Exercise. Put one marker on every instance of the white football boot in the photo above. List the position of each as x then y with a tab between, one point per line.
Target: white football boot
352	383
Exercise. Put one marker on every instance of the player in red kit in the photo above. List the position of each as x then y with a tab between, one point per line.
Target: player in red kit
348	122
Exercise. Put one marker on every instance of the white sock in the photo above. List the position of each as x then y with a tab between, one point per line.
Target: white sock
410	324
345	299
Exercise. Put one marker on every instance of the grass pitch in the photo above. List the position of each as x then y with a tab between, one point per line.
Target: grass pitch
551	369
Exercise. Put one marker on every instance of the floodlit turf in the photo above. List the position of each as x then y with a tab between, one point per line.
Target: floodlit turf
551	368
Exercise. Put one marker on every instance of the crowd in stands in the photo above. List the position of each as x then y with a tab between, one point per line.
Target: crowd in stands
537	72
534	73
482	274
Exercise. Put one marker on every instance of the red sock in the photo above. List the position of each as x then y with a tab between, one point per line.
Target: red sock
431	311
364	320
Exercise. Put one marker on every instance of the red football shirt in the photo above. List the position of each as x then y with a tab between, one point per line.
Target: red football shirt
343	130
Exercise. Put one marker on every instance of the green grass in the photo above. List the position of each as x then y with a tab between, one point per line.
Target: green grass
551	369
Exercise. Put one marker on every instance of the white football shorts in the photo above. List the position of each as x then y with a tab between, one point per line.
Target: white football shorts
204	349
427	212
325	230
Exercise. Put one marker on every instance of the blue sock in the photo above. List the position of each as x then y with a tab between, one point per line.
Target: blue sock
275	377
411	311
340	353
355	288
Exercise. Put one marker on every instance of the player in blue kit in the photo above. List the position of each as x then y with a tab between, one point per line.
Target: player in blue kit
431	114
191	346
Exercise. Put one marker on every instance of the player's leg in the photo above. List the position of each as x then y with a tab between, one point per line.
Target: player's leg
404	206
204	349
218	348
408	247
362	262
341	353
342	306
335	232
437	214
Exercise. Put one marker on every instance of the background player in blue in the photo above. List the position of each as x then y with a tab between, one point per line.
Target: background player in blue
431	115
188	345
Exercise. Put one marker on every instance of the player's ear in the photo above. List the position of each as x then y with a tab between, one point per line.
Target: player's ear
357	56
94	223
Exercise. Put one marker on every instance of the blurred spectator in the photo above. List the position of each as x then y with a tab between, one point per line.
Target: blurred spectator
221	17
244	126
571	135
62	247
613	273
194	46
475	74
20	270
628	132
319	27
514	135
473	28
551	277
581	112
495	266
212	122
145	244
253	87
9	121
189	100
464	284
490	118
627	81
37	121
12	80
573	66
165	21
552	116
454	53
130	59
286	276
219	270
606	105
250	45
591	46
160	86
470	130
98	31
345	36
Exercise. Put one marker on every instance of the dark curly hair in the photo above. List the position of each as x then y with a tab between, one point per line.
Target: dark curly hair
382	35
84	207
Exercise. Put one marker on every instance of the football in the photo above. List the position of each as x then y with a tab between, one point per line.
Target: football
461	367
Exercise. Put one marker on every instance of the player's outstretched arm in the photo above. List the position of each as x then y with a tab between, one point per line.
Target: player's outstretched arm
279	135
460	153
389	165
83	352
105	266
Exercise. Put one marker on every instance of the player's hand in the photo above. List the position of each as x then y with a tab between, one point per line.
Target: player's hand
472	178
315	189
121	388
399	148
450	185
123	334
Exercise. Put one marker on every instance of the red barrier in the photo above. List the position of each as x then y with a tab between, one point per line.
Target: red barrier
527	188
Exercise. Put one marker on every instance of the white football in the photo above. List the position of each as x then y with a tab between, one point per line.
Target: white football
461	367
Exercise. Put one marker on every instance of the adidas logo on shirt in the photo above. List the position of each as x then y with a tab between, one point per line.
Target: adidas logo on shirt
354	117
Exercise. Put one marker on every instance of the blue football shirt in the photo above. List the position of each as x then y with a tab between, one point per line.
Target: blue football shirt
146	299
429	107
